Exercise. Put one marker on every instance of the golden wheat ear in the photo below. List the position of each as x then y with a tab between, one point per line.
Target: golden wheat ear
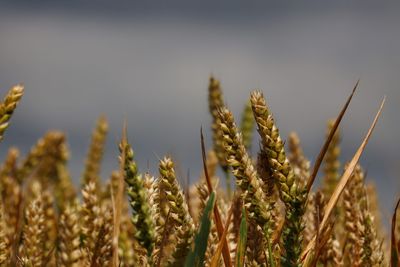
94	157
91	219
43	158
180	217
34	230
8	106
290	193
299	162
247	178
331	162
69	253
4	240
216	102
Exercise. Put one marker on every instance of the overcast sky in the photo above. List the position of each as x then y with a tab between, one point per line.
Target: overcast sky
149	62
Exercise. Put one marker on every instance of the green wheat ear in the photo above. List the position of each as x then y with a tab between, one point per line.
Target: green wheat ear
8	106
247	125
139	200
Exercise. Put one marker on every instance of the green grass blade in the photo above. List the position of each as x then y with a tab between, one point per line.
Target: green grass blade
196	257
241	247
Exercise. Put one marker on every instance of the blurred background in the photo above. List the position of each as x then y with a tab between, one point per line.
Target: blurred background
149	62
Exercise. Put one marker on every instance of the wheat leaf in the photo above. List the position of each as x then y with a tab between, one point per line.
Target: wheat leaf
241	246
196	257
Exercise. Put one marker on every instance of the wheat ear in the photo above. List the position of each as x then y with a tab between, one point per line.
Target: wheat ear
352	196
69	253
331	162
216	102
51	225
46	148
95	153
91	219
247	178
8	106
180	216
104	243
247	126
4	240
292	196
9	167
33	234
300	164
139	199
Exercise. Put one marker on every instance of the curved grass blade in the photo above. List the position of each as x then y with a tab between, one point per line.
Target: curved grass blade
341	185
322	153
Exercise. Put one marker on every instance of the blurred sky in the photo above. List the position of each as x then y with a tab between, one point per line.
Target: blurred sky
149	62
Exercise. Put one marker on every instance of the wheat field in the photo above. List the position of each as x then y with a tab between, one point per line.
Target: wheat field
269	214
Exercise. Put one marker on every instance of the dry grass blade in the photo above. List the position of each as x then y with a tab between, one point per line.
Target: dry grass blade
217	255
343	182
322	153
394	253
217	215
